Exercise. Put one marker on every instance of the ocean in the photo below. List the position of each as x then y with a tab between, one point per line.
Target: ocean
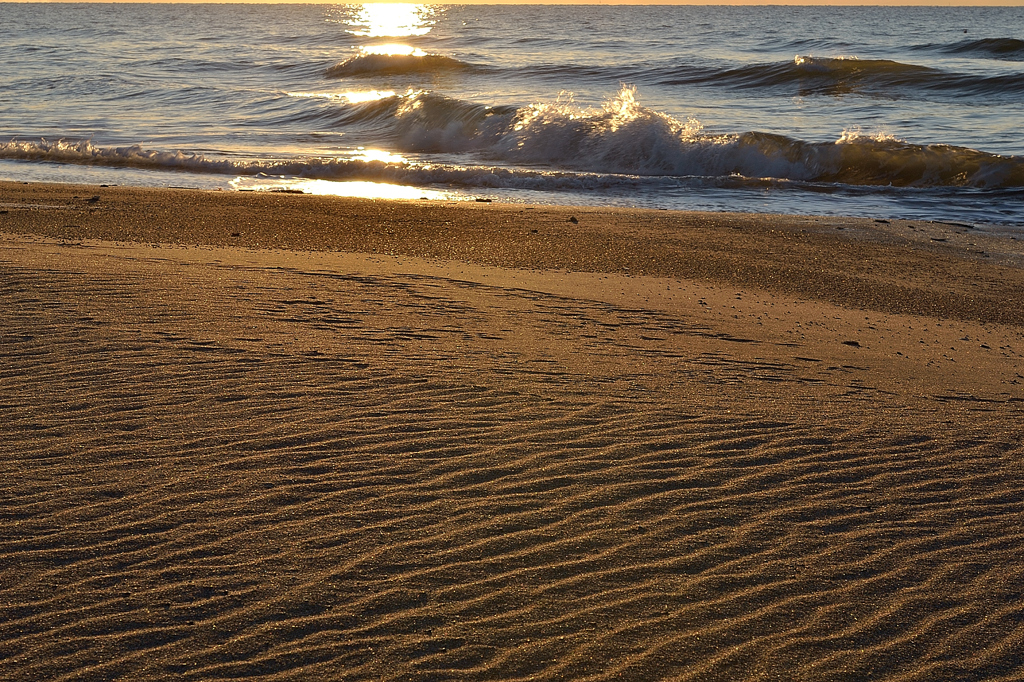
886	112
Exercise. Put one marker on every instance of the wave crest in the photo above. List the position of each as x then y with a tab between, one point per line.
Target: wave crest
844	66
621	137
374	64
134	156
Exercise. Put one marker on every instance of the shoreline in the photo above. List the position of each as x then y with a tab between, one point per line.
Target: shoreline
970	276
406	440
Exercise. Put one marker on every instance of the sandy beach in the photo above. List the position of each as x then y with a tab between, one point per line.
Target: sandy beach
277	436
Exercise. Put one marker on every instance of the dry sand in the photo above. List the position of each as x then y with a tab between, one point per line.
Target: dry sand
292	437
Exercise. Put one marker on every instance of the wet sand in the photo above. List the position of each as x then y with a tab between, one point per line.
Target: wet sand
295	437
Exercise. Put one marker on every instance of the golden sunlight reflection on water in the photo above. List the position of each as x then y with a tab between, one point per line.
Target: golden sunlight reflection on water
394	50
393	20
378	155
349	188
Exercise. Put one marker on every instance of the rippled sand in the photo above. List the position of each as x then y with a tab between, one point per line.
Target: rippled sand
442	445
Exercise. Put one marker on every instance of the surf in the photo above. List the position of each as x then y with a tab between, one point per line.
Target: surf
548	142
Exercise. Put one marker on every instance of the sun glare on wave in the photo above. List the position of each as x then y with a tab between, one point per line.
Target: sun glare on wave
378	155
394	50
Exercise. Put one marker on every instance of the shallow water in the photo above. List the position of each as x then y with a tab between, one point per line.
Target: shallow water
883	112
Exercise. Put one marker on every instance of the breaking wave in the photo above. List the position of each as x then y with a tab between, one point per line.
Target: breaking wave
427	122
559	145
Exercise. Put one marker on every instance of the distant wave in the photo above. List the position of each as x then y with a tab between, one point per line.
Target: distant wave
838	75
854	66
369	65
1011	49
559	145
806	74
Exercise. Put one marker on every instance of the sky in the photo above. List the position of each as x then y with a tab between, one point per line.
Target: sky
933	3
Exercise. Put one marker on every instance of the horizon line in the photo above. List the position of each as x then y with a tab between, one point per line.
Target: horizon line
582	3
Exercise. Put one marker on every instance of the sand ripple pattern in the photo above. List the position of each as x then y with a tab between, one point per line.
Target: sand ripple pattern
221	473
